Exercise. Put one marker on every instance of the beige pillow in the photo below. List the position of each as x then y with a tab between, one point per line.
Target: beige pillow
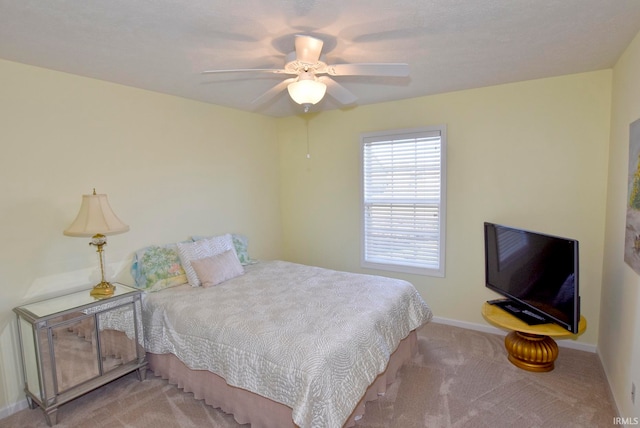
188	251
216	269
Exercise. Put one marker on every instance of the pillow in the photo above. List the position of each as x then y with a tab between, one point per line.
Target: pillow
240	243
216	269
189	251
156	267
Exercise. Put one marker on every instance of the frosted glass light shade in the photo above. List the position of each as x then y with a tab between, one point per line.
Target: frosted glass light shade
307	91
96	217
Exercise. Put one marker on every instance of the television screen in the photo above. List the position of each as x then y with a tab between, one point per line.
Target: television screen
538	273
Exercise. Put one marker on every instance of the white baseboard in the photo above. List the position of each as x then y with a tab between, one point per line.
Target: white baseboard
562	343
13	408
611	395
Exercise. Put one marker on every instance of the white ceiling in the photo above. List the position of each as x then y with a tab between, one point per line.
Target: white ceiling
163	45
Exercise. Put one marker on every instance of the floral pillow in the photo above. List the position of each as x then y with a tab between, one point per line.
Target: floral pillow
241	244
158	267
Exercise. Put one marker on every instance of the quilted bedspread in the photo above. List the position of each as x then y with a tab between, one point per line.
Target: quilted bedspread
307	337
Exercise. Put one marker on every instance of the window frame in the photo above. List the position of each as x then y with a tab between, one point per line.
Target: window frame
398	134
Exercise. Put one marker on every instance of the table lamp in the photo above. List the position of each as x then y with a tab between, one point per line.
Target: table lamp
96	219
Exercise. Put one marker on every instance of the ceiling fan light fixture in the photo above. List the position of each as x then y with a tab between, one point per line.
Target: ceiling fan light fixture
307	91
311	76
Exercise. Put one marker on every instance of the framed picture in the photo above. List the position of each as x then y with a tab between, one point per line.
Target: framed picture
632	232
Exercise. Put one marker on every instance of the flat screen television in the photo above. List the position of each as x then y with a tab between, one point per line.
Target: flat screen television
536	273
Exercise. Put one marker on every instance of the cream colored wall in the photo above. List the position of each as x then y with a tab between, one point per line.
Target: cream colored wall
530	154
171	167
619	339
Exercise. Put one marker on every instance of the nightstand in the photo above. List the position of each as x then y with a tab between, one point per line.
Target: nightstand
75	343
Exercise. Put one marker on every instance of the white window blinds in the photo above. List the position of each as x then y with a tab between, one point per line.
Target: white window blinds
403	201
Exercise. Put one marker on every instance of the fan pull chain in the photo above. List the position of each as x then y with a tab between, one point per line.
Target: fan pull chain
308	151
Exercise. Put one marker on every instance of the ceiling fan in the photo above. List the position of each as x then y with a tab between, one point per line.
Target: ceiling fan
313	76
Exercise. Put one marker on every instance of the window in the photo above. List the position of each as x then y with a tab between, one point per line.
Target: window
403	200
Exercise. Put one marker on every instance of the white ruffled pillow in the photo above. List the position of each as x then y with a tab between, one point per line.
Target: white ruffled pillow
189	251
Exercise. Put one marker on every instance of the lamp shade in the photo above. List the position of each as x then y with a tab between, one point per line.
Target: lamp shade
307	91
96	217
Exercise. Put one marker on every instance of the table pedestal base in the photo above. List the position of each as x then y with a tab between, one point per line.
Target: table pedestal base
532	352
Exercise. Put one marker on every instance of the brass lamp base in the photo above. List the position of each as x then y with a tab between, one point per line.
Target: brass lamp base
104	289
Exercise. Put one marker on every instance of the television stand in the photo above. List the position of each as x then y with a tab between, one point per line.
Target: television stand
529	347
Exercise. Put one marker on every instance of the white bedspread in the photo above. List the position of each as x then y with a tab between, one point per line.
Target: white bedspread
310	338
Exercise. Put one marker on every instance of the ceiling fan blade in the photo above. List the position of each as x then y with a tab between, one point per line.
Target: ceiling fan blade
337	91
274	90
308	49
249	70
369	69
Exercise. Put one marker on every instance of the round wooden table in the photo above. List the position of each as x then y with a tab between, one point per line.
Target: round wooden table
530	347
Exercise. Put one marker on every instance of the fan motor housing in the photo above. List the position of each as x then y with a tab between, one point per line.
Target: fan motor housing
294	66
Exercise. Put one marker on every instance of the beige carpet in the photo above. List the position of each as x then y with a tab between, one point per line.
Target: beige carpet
460	378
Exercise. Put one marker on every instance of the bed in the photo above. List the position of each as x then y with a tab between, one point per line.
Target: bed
284	344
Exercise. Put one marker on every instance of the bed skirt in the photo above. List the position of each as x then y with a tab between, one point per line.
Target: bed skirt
261	412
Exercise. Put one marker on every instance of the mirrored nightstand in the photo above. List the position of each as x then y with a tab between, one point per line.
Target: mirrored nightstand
75	343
